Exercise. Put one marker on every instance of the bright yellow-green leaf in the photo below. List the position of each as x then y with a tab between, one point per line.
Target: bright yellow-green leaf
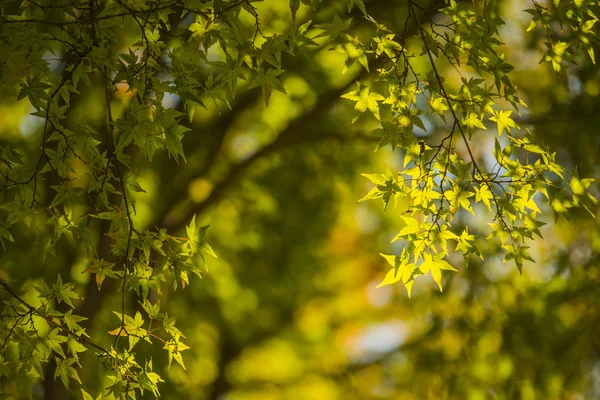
378	179
459	198
484	194
576	186
435	264
438	104
393	276
473	121
446	234
408	285
412	227
374	193
414	152
387	45
504	122
365	99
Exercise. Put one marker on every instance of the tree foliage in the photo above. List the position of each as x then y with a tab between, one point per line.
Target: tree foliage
76	189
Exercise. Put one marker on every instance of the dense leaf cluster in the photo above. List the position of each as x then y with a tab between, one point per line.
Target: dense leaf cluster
84	174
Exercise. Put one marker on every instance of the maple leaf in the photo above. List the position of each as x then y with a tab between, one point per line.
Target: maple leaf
387	45
484	194
365	99
504	122
435	264
473	121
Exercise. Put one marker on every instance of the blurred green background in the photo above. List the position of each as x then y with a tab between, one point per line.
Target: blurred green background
289	310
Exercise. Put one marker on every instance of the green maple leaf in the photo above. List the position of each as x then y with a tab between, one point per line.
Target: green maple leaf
132	328
64	370
504	122
75	347
403	271
435	264
354	51
359	4
175	347
412	227
473	121
459	198
72	322
268	81
439	105
64	292
102	269
387	45
335	29
54	340
518	254
153	310
196	242
169	326
466	244
484	194
365	100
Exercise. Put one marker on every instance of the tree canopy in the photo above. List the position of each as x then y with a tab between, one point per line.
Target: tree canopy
303	199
